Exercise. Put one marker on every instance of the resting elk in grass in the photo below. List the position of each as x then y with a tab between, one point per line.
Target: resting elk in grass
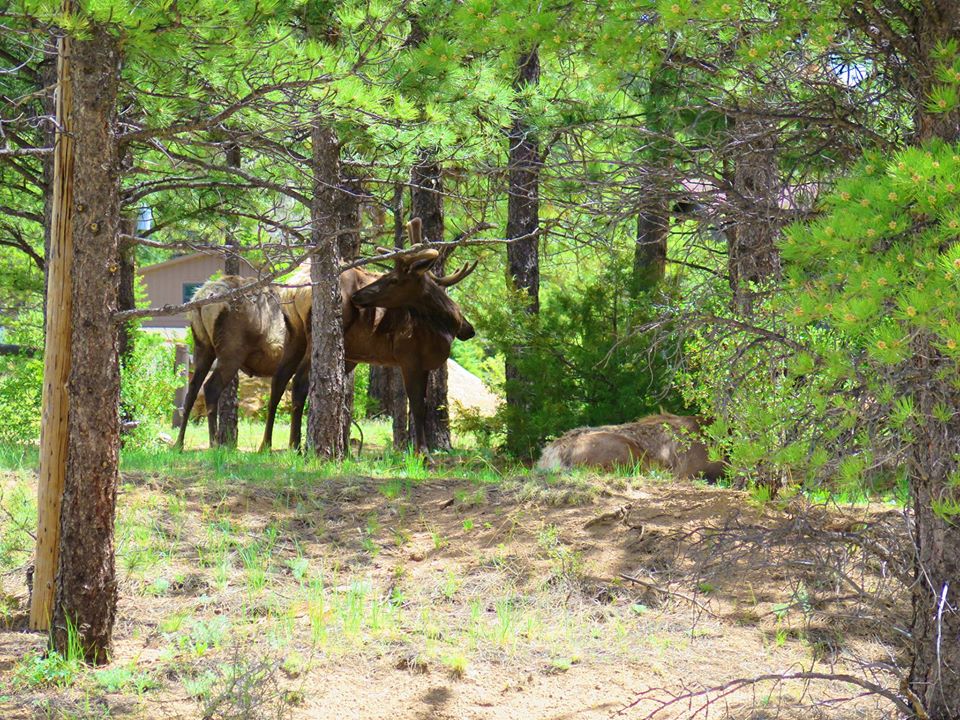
672	442
246	334
403	318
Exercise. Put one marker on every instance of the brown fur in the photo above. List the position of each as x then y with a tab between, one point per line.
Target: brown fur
245	334
671	442
402	318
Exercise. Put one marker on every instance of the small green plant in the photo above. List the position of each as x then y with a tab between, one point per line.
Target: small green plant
46	670
456	663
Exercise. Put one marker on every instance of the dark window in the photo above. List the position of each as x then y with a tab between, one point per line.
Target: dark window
188	290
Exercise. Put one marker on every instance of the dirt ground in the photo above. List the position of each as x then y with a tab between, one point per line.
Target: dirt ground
364	598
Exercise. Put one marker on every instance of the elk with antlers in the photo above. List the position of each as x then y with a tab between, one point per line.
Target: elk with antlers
402	318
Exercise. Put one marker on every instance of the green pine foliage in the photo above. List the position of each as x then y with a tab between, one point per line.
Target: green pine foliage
591	361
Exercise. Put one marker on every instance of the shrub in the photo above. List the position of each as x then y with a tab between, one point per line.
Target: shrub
590	360
148	380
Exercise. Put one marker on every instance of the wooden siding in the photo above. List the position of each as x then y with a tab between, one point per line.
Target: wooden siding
166	282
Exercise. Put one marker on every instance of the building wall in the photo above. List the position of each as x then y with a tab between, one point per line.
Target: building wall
173	282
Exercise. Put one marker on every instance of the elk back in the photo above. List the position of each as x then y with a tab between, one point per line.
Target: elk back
249	328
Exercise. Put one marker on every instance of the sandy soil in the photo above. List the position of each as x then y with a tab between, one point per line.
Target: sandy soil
588	641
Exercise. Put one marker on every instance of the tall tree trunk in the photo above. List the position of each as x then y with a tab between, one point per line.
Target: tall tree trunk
86	216
228	406
933	464
348	243
56	359
650	251
523	221
326	397
386	384
935	666
426	202
752	250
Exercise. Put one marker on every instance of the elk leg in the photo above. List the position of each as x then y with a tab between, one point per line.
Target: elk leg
301	385
221	376
291	360
415	383
202	364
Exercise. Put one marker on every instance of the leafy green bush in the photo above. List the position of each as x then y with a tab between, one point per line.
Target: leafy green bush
148	380
21	387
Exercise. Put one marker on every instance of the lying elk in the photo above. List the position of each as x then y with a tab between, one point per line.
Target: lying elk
402	318
671	442
246	334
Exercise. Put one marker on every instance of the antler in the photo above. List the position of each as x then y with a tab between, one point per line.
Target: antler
454	278
415	231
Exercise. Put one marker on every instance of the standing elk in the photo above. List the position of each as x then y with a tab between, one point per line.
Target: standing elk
672	442
246	333
402	318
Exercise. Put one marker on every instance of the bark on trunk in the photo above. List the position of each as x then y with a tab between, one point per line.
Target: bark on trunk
228	406
326	396
426	202
523	221
386	384
935	667
56	358
86	592
126	299
650	251
348	242
753	256
933	465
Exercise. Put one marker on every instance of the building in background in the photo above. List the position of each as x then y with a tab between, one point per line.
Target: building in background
174	281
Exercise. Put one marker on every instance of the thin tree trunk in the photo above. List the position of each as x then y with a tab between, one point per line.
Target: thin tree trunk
228	406
523	221
48	77
650	251
426	202
386	384
86	588
348	242
326	397
753	257
126	299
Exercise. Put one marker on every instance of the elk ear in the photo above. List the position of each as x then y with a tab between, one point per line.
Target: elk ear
422	265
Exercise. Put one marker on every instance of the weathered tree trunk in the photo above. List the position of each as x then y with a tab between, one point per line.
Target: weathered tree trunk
752	251
86	588
228	406
523	221
56	358
348	243
650	251
326	397
426	202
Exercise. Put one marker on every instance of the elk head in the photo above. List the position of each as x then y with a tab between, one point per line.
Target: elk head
411	285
